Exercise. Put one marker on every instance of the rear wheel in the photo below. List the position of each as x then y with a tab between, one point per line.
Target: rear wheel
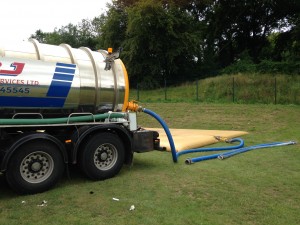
103	156
35	167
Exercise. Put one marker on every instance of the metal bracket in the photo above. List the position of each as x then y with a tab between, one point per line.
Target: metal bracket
110	57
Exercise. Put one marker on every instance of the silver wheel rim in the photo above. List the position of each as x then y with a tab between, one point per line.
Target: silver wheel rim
105	156
36	167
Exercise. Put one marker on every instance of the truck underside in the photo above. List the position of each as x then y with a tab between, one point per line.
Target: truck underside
34	157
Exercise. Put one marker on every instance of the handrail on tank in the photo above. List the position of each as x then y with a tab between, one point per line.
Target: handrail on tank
26	114
81	114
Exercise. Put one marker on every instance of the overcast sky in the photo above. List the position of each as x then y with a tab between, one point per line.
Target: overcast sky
21	18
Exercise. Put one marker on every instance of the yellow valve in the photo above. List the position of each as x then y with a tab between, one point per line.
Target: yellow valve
110	50
133	106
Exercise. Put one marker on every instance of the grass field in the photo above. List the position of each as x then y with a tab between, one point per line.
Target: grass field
257	187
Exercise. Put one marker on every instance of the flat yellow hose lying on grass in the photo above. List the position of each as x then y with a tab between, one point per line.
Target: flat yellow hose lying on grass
192	138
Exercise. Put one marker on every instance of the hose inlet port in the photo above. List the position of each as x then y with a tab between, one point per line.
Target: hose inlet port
188	161
221	157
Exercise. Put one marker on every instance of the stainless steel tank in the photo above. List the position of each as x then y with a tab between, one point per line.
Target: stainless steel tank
36	77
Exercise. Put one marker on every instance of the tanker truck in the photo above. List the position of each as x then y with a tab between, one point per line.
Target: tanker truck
60	106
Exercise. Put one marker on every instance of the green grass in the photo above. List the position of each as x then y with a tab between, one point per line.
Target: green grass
257	187
239	88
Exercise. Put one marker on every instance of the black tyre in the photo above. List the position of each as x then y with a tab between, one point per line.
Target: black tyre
102	157
35	167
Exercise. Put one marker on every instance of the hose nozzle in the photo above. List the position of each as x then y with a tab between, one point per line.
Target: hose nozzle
188	161
221	157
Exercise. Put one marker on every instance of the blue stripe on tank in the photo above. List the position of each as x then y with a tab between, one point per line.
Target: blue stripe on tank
57	93
66	65
63	76
64	70
59	89
62	80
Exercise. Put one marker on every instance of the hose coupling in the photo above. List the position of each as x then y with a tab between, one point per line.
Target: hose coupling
188	161
221	157
134	106
224	139
229	141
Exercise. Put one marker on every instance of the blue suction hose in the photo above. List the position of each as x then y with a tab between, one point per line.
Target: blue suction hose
237	151
167	130
216	148
234	150
175	154
241	150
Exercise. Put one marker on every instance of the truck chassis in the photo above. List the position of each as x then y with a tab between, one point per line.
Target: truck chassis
34	157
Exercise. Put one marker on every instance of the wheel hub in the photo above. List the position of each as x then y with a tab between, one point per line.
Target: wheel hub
105	156
36	167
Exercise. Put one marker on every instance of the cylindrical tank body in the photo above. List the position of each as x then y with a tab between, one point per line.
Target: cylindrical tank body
36	77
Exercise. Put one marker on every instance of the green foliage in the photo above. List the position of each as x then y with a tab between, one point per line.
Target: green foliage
240	88
180	40
160	42
236	26
112	28
267	66
77	36
264	67
243	65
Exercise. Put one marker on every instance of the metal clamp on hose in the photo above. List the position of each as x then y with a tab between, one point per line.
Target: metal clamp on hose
188	161
224	139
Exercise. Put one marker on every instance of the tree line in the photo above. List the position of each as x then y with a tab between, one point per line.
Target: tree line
181	40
